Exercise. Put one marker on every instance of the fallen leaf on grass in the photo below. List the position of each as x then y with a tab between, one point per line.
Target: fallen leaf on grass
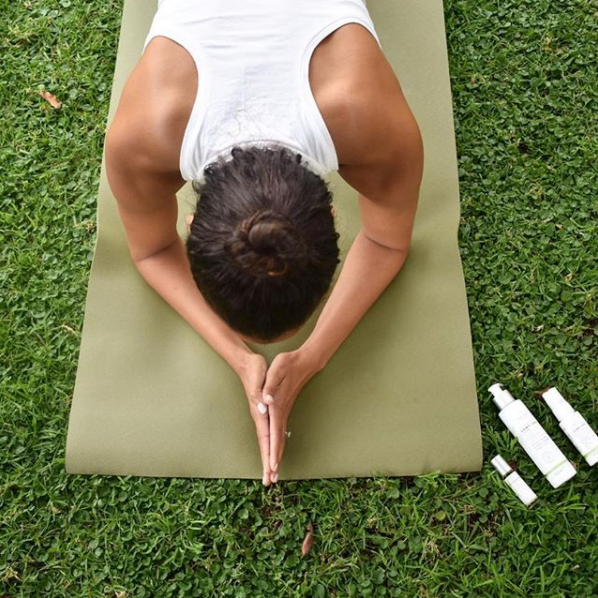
308	540
50	98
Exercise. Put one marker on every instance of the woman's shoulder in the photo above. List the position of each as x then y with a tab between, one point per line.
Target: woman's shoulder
362	103
154	107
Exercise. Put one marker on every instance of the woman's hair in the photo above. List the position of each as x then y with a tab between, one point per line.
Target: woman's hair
262	245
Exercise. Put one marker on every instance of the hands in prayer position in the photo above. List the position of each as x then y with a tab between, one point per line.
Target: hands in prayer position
272	392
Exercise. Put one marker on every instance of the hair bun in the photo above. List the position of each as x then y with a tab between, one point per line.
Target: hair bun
267	244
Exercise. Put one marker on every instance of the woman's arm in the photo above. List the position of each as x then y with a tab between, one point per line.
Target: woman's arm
367	271
374	259
382	244
168	272
147	205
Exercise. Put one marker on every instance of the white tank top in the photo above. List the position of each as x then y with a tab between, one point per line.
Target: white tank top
252	59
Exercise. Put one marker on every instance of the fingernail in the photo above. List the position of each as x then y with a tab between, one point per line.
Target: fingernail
274	478
265	479
269	399
262	408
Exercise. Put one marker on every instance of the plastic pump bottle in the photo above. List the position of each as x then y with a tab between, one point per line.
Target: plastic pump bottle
533	438
574	425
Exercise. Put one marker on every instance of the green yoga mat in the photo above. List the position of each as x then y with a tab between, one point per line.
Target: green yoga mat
152	398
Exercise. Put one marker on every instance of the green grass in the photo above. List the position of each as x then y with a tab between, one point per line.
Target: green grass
525	96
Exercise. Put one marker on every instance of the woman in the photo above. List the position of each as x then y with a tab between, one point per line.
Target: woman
254	102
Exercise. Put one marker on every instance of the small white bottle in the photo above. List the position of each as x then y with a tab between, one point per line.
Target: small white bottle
515	481
574	425
533	437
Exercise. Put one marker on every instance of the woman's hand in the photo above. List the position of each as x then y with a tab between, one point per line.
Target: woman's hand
287	375
252	372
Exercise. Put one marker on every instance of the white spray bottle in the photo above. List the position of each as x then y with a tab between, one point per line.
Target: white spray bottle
574	425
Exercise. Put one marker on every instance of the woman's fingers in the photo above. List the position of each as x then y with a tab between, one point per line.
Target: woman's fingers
274	438
262	427
278	422
274	377
189	221
253	374
272	387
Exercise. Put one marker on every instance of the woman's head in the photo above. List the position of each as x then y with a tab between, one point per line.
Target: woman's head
262	245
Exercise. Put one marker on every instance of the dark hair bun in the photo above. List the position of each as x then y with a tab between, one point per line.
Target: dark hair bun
267	244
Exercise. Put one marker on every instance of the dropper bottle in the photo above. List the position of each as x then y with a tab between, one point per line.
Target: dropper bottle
525	494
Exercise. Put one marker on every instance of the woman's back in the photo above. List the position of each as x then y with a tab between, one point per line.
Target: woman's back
216	75
253	64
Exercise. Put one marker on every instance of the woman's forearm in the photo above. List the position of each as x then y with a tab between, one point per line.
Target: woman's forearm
169	273
367	270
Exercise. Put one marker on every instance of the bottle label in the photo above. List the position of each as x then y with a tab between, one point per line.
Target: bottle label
580	433
532	436
521	489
